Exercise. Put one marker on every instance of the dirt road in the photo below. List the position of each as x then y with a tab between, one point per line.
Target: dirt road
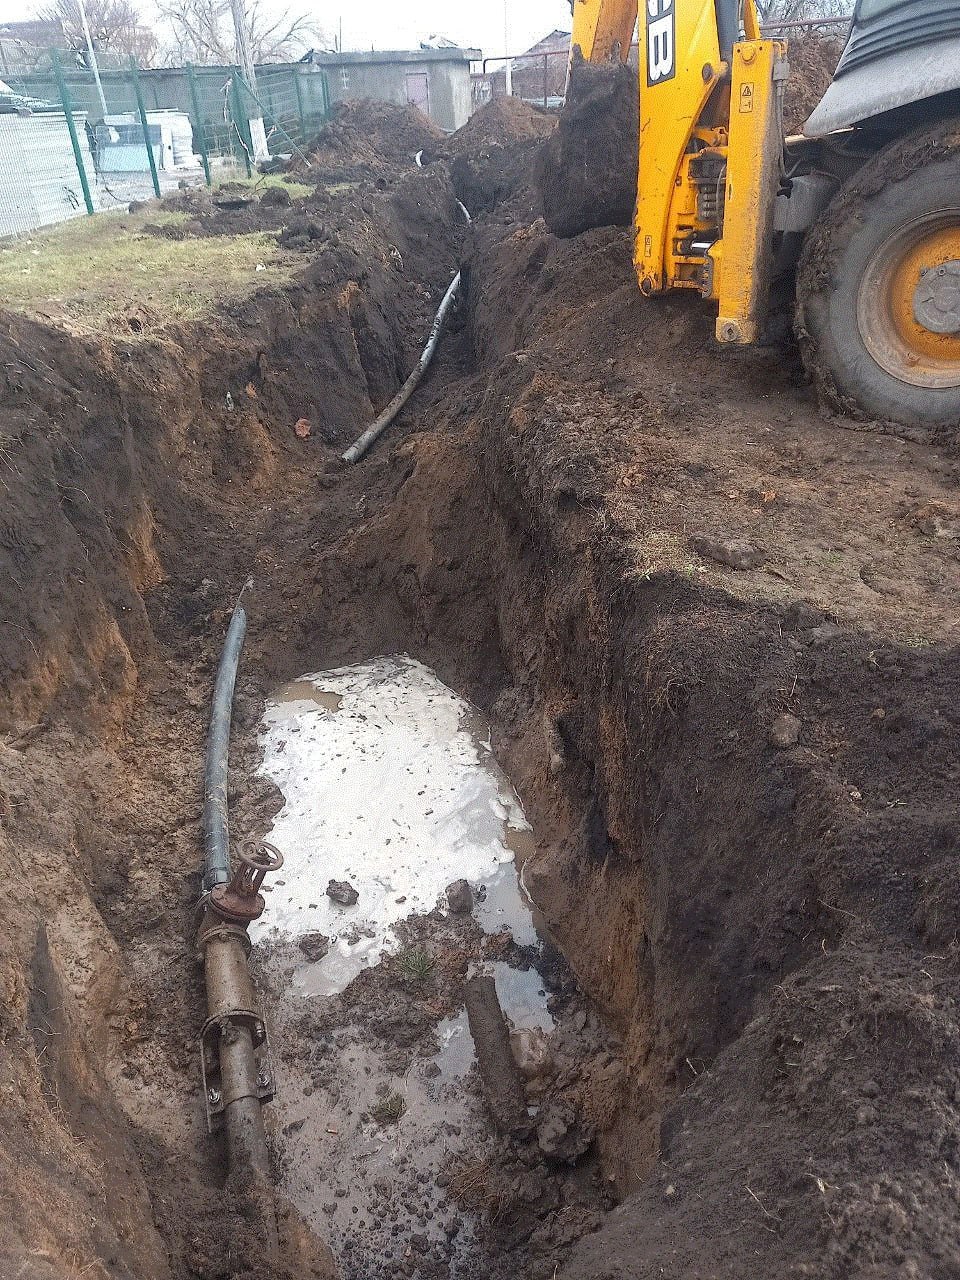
714	633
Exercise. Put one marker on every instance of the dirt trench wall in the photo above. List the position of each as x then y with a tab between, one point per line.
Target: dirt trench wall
111	449
136	499
740	902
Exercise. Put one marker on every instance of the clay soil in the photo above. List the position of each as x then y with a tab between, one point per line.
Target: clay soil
716	635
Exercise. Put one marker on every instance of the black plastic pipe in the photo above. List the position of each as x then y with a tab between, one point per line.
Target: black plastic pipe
216	828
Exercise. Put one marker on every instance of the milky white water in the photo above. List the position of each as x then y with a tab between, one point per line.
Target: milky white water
388	783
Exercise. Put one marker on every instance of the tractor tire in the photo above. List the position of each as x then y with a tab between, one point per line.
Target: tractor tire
878	286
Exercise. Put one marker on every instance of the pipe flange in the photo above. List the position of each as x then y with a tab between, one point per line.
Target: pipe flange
214	928
240	901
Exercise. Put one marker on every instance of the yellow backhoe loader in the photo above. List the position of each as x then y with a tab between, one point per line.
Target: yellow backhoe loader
864	207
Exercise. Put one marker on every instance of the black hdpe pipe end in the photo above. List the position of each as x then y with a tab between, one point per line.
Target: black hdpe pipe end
216	829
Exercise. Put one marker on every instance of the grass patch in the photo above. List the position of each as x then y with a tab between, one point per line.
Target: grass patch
414	966
389	1109
106	274
261	181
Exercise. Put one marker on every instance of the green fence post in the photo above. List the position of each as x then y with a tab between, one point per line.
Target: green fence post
201	141
72	127
325	94
299	92
237	117
134	77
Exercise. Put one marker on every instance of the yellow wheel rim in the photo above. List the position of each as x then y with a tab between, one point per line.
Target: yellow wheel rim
908	303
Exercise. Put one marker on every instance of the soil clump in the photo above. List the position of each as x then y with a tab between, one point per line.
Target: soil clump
586	173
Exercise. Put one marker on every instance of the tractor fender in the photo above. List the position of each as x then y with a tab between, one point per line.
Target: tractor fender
893	80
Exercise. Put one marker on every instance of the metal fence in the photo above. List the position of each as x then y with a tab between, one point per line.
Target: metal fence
540	78
70	145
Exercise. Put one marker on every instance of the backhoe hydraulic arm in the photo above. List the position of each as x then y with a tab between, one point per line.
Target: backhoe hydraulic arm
710	143
603	29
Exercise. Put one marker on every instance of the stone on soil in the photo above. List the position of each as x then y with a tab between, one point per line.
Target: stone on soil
460	897
342	891
314	945
785	731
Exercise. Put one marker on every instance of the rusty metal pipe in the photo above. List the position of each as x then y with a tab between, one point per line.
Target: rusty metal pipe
237	1030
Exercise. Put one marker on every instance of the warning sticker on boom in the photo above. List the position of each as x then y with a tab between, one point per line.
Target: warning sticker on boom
746	97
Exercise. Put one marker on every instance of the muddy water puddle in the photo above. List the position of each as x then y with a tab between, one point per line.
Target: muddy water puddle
390	787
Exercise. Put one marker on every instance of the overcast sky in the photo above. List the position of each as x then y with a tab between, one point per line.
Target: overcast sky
386	24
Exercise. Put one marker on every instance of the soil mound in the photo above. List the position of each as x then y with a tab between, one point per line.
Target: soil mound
813	60
368	135
491	156
503	122
587	171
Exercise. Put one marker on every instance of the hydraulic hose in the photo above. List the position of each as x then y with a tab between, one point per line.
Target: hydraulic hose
216	827
377	428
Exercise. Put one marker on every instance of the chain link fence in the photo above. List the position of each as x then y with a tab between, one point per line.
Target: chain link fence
72	145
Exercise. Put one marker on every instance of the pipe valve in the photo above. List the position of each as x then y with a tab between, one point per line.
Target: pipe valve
240	901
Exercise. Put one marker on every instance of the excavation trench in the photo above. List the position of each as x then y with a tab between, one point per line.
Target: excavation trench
725	708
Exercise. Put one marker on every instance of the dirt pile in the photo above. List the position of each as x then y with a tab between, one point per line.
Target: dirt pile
491	156
587	172
813	59
364	137
502	122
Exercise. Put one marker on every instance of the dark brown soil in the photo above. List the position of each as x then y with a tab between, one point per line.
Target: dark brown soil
587	172
813	59
365	137
492	156
743	780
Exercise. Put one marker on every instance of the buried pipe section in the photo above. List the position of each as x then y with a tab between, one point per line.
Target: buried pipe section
377	428
234	1051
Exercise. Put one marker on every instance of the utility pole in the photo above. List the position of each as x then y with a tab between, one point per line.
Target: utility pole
91	54
508	73
258	134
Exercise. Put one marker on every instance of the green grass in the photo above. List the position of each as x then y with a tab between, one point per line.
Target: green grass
415	966
97	274
261	181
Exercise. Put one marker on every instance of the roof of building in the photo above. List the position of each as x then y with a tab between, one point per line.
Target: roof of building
38	31
556	40
455	53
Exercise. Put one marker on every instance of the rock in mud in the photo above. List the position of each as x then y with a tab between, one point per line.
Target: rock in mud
314	945
785	731
500	1076
342	891
735	553
561	1135
531	1048
587	171
460	898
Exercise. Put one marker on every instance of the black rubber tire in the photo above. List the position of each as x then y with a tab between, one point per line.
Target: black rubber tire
916	174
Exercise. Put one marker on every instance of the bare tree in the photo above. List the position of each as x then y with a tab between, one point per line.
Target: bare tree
201	31
803	10
117	30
